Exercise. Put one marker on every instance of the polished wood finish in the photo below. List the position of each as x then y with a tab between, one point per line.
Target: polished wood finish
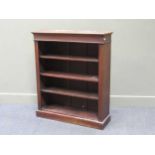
75	116
73	76
71	93
70	76
69	58
73	36
37	74
104	81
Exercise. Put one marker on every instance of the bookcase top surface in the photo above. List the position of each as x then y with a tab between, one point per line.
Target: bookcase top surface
74	32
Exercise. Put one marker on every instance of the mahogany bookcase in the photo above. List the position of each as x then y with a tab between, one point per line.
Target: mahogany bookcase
73	76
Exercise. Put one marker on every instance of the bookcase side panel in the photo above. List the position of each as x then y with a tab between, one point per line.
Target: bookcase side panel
36	44
104	81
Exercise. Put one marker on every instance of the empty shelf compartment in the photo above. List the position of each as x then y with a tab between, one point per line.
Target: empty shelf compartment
71	93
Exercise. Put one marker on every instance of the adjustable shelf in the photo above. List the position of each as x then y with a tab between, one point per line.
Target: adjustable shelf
73	76
71	93
69	58
62	114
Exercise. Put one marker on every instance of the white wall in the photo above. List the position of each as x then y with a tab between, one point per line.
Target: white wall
133	58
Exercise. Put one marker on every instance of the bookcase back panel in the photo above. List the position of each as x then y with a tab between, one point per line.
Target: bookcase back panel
69	67
64	48
69	84
70	102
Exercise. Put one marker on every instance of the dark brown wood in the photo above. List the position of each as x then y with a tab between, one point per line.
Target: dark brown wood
99	38
71	93
73	38
38	74
71	111
72	115
69	58
73	76
104	81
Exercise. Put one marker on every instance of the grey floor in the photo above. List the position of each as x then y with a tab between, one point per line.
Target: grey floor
18	119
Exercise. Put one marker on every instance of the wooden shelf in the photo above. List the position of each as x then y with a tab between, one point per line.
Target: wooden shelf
70	76
71	111
71	93
69	58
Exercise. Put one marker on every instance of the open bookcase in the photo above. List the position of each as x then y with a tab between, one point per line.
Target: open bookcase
73	76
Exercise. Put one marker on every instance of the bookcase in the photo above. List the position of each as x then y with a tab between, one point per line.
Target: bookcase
73	76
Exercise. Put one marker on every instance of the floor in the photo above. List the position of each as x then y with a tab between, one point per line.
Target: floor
16	119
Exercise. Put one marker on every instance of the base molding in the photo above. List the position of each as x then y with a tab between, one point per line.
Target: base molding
19	98
73	119
132	100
